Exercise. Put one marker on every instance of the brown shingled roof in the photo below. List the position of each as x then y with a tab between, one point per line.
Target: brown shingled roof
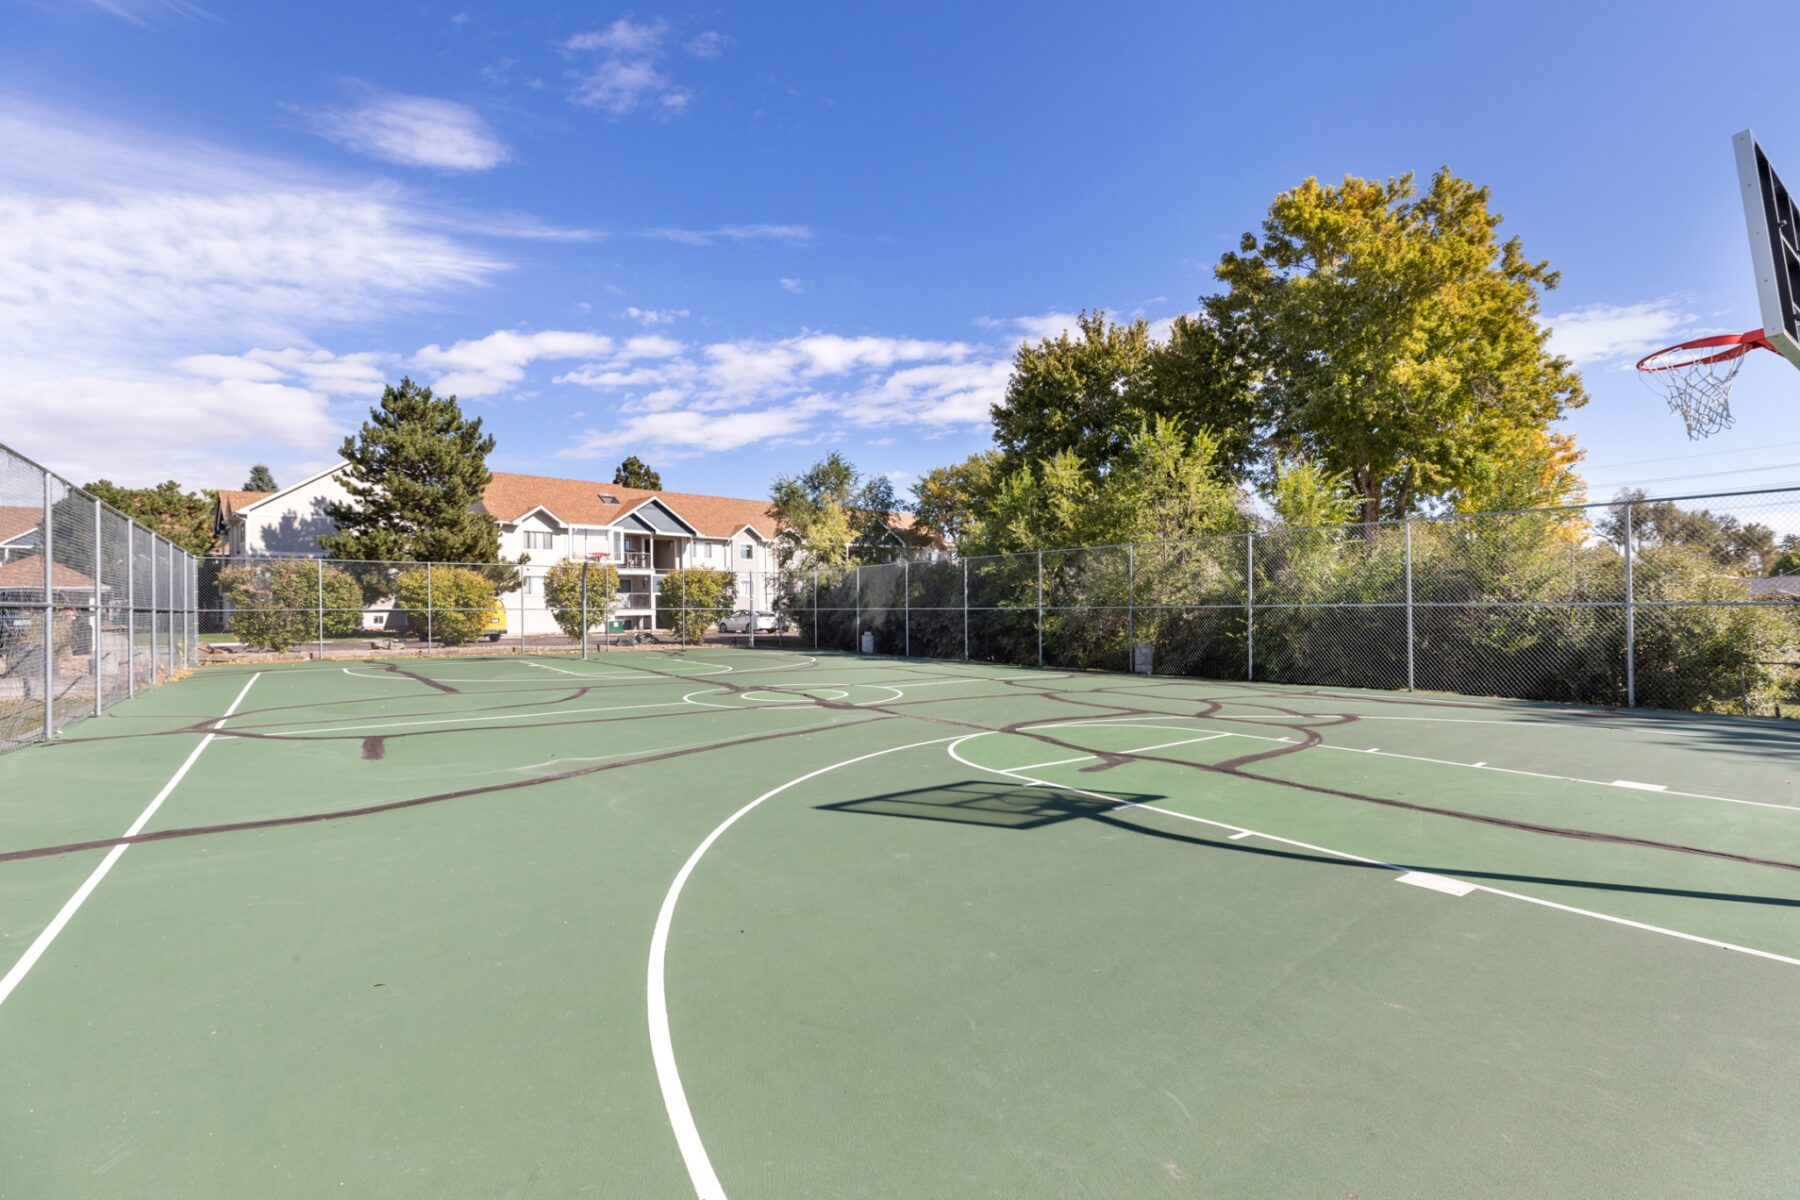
578	502
27	574
232	499
19	518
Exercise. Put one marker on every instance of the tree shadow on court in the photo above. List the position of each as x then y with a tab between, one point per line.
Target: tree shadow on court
988	804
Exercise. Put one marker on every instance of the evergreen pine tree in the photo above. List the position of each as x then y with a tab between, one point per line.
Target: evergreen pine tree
633	473
261	480
417	468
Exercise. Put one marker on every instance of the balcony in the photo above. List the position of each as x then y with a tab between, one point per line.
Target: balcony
635	560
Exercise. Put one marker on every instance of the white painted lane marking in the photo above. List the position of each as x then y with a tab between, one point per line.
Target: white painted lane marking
662	1046
1642	787
36	950
1396	867
1055	762
1240	836
1442	762
1436	883
549	712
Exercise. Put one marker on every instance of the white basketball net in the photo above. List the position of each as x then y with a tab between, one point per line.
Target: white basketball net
1696	381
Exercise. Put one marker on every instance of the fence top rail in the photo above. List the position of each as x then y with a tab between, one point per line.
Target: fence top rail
78	490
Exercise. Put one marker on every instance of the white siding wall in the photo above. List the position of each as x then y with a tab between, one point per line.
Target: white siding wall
292	522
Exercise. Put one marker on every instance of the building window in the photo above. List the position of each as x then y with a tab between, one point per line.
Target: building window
539	541
746	551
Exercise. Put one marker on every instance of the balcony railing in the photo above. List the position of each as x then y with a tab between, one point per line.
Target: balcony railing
636	560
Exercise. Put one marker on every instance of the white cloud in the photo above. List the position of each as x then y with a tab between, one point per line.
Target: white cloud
651	317
141	12
1600	333
792	285
628	75
697	399
114	238
1033	329
490	365
733	233
414	131
710	44
137	268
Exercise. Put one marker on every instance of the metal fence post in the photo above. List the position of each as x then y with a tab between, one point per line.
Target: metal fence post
1130	608
906	603
1630	620
1407	525
584	610
524	582
95	643
169	602
815	606
965	567
130	609
751	576
49	617
429	600
1249	606
856	642
321	600
155	653
1040	607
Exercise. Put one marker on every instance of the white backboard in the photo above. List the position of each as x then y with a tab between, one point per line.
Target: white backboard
1774	245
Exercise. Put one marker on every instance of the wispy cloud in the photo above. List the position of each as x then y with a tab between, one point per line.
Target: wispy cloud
144	12
710	44
493	364
694	399
131	257
1035	328
414	131
795	286
651	317
733	233
1605	333
626	73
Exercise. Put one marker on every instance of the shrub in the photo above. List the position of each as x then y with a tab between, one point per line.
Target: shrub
275	604
459	600
693	599
562	593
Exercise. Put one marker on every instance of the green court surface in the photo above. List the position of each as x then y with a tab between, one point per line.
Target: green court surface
762	924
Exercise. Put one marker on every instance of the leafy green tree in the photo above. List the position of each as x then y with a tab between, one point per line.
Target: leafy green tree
632	473
692	600
417	468
275	604
1396	339
947	499
563	584
1745	547
453	602
1090	393
261	480
185	518
831	514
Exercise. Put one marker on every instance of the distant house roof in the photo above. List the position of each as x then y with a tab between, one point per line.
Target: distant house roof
16	519
583	502
231	499
27	574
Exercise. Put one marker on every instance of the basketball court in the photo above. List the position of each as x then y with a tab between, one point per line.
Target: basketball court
779	924
770	924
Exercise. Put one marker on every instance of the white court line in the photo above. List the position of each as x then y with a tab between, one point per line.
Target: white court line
1441	762
36	950
662	1046
1238	837
552	712
1642	787
1396	867
1436	883
1060	762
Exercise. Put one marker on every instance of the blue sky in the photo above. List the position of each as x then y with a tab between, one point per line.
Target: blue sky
726	238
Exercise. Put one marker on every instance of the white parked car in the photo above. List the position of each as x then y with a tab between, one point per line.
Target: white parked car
740	622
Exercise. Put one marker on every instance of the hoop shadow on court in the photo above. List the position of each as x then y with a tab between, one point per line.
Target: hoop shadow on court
986	804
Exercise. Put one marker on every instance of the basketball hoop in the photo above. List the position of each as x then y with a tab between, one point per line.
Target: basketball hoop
1696	377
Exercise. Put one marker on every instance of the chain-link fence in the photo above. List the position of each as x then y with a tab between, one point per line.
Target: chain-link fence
1689	603
93	606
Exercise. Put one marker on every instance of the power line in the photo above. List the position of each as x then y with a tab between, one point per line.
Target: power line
1683	457
1702	475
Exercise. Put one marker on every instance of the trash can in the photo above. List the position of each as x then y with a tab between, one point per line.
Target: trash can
868	641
